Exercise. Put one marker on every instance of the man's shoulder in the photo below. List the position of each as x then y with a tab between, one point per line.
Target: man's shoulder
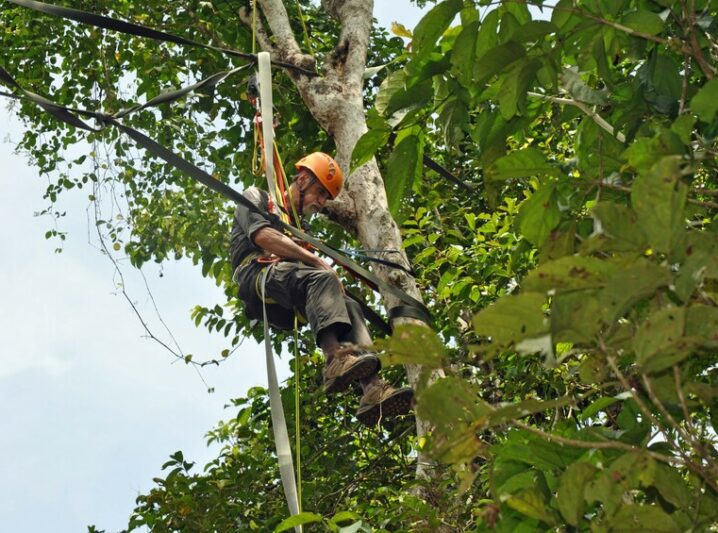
256	195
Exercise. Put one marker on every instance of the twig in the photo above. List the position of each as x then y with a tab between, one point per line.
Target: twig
595	445
598	119
697	446
651	417
623	188
681	396
695	47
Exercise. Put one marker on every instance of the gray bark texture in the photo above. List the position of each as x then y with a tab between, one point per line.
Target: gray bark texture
335	100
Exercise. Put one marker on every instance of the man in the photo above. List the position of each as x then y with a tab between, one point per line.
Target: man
298	281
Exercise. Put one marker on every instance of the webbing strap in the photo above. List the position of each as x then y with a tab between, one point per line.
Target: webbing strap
279	422
65	114
265	101
108	23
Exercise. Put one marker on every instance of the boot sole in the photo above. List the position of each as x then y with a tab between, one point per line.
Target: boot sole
397	404
367	366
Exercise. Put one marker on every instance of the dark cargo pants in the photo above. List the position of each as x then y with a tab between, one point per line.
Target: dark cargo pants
314	293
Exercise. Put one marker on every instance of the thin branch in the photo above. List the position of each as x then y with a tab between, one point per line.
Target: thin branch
595	445
695	47
598	119
623	188
681	396
650	416
697	446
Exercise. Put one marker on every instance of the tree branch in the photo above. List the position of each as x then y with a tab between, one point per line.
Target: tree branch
285	44
594	445
598	119
349	56
245	15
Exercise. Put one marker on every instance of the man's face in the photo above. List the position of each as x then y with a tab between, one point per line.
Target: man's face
315	196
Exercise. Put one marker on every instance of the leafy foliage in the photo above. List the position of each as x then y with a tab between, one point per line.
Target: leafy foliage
574	290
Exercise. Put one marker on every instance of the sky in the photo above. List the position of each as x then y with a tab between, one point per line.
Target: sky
89	407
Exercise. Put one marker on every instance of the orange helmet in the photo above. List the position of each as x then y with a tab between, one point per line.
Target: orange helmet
325	169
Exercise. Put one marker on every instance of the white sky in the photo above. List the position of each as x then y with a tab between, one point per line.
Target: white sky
90	409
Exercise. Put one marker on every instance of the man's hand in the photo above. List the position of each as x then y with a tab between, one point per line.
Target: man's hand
279	244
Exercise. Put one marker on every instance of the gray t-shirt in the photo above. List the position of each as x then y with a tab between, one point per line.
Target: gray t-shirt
246	224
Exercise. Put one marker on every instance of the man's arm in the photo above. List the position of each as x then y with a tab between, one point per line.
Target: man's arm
272	241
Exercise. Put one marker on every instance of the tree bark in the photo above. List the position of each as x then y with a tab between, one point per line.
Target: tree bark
335	100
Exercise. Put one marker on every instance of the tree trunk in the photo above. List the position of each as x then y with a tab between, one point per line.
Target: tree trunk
335	100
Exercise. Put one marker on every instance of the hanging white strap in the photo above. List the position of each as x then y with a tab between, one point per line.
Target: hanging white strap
266	109
279	423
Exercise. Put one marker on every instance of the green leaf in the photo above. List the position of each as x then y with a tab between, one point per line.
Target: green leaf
569	273
450	401
513	318
600	404
521	164
644	152
539	214
506	413
618	231
463	55
571	491
394	82
403	166
643	21
659	199
412	97
298	520
367	145
433	24
672	486
575	316
658	333
683	127
642	519
702	324
533	31
629	285
412	344
452	406
344	516
497	59
531	503
512	95
705	102
487	37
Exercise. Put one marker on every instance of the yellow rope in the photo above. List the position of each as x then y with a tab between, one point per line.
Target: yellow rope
307	42
254	26
297	220
297	429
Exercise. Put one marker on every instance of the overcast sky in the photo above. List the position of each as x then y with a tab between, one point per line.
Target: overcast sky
90	408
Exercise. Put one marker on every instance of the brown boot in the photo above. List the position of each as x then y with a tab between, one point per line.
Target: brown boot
381	400
347	365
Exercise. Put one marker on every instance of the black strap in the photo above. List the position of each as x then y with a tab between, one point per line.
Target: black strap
203	177
108	23
372	316
379	260
171	96
409	311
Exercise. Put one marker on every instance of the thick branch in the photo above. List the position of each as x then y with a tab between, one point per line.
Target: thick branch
285	44
246	16
349	56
